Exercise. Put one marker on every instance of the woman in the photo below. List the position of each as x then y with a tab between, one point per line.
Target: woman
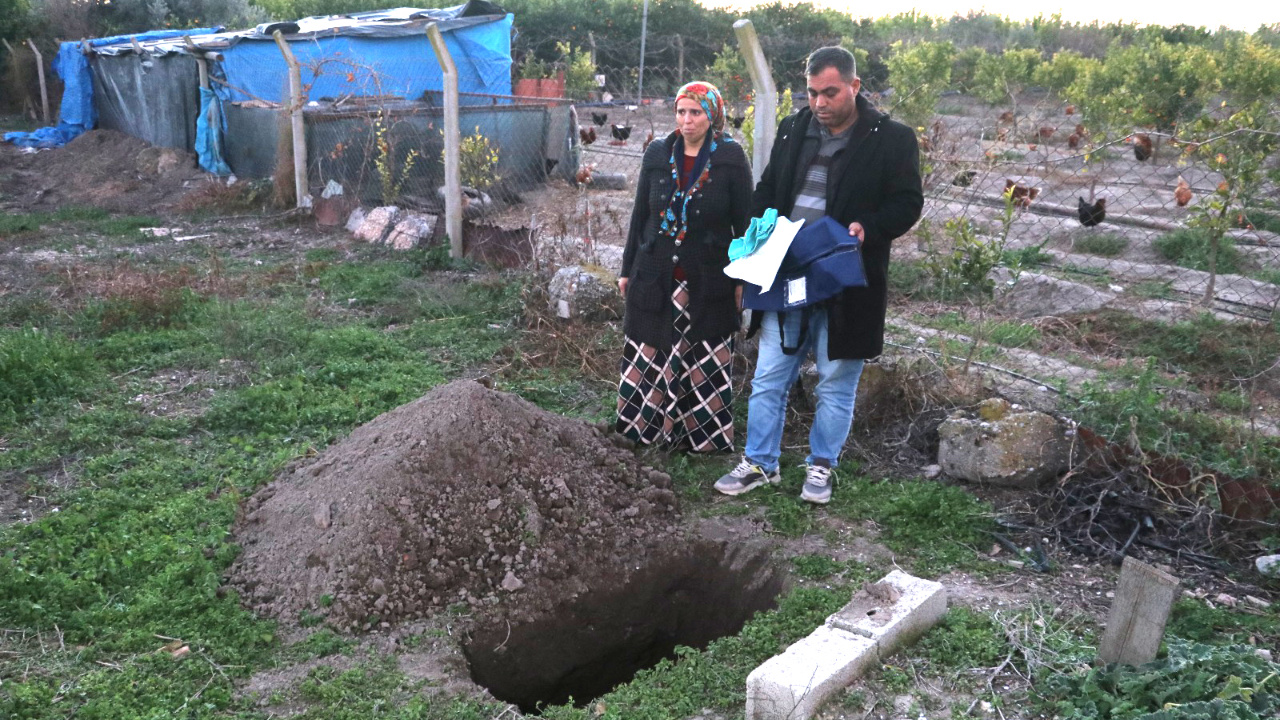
692	198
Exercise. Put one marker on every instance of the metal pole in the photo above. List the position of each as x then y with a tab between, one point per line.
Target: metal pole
766	95
44	89
452	143
644	32
296	123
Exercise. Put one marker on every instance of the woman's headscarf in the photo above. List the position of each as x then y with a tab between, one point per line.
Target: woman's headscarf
675	219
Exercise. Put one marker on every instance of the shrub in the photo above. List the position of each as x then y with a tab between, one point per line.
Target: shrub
1104	244
1190	248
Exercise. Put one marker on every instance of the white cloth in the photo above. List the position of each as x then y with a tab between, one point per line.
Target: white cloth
761	267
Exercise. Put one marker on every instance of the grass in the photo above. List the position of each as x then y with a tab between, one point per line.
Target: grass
76	220
1105	244
1191	248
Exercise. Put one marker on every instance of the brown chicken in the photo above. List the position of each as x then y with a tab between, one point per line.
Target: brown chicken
584	174
648	139
1071	109
1142	147
1006	116
1073	141
1182	193
586	134
1046	132
1021	194
1081	131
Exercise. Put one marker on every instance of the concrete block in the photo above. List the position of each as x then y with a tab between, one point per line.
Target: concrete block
893	612
793	685
879	620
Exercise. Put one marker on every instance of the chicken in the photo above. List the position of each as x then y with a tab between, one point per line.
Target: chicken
964	178
1071	110
1182	193
586	134
1081	131
737	120
1046	132
1006	116
1073	141
648	139
621	132
599	118
1091	215
1142	147
583	175
1021	194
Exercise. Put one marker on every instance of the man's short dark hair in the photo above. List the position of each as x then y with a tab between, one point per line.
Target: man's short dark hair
836	57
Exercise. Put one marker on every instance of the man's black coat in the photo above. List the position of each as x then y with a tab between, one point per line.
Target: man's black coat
875	181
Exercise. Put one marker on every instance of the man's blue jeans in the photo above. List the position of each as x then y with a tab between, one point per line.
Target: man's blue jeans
776	372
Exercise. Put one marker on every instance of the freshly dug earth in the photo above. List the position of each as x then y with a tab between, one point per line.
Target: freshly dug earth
463	495
102	168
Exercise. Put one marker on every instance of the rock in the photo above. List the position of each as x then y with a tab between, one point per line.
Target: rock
932	471
585	292
993	409
378	223
355	220
162	161
329	211
323	516
608	181
511	583
412	230
475	203
1020	449
1268	565
1036	295
557	251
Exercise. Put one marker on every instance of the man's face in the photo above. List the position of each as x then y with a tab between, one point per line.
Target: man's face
833	100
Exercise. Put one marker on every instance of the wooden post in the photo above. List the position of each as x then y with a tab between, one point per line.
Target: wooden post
44	89
591	42
452	143
7	46
1135	626
766	95
296	124
680	60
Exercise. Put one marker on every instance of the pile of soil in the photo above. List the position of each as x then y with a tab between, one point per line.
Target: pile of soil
463	495
102	168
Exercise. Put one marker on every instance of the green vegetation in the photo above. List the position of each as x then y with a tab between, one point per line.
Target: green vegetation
1192	247
1105	244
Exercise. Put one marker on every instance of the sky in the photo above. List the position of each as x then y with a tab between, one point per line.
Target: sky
1235	14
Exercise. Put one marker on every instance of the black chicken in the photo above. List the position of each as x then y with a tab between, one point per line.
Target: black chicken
599	118
621	132
1091	215
737	120
964	178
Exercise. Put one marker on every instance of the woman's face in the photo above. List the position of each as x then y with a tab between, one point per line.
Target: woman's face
691	119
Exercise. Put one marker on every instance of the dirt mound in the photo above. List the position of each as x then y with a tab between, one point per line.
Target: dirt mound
101	168
463	495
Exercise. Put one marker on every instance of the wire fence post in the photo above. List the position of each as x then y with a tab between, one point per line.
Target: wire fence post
644	32
452	143
296	123
44	89
766	95
680	60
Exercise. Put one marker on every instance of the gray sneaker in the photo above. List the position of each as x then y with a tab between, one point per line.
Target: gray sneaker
817	484
746	476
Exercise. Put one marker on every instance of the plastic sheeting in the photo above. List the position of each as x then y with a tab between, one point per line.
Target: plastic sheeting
209	132
152	97
77	113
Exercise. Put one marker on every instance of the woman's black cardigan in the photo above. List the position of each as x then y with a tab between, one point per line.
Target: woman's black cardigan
718	212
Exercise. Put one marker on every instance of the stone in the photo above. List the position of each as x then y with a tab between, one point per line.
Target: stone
162	161
475	203
1268	565
1037	295
379	222
355	220
413	230
931	471
1020	449
584	292
511	583
608	181
329	211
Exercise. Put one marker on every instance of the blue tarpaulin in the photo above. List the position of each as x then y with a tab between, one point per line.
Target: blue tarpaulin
77	114
209	144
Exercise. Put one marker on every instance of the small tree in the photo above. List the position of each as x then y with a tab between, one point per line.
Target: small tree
919	74
579	71
728	72
1001	78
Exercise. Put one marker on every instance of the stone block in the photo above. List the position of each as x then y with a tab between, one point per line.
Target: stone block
586	292
893	612
412	230
1036	295
378	223
355	220
879	620
793	685
1018	449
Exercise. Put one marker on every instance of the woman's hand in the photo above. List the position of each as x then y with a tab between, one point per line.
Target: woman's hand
737	294
622	286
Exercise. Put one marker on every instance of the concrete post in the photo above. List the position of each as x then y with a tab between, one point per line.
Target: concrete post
452	143
296	123
766	95
44	89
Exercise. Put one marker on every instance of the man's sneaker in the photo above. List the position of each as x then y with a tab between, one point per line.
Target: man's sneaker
746	476
817	484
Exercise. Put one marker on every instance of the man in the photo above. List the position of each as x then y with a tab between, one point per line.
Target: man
839	157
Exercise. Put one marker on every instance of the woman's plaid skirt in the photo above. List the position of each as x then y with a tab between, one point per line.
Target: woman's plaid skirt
682	398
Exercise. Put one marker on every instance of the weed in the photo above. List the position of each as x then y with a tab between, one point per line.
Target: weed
39	366
815	567
1105	244
965	639
321	643
1014	334
1194	620
1190	248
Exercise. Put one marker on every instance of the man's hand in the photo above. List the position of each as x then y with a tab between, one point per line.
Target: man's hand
622	286
737	293
855	229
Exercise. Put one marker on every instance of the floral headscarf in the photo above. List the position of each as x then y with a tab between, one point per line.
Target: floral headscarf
675	221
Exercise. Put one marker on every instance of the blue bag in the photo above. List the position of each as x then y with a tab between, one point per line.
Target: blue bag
822	261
